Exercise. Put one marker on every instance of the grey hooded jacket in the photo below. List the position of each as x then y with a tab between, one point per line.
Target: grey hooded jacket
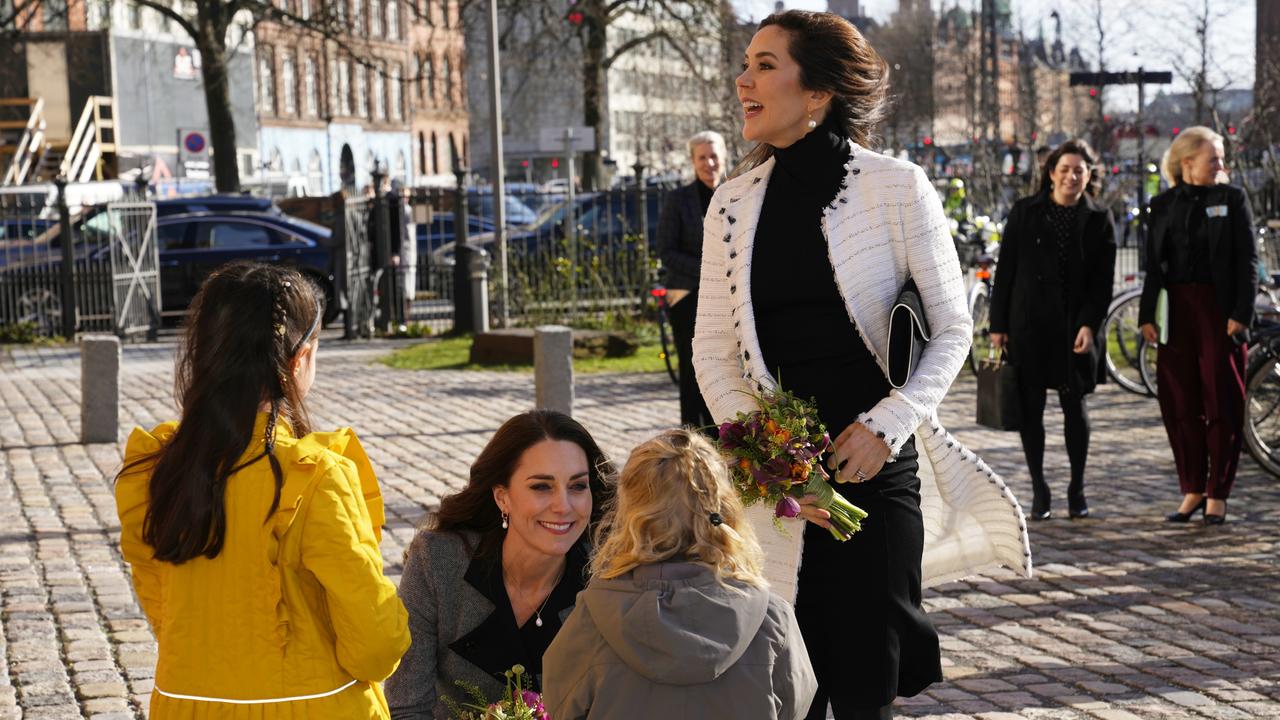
669	641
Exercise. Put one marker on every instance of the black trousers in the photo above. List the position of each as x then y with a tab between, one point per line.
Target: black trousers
693	411
1032	398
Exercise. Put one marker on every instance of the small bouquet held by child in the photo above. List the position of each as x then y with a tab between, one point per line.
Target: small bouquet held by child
774	456
520	703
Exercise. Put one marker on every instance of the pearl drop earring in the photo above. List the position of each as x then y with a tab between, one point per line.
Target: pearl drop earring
505	523
812	123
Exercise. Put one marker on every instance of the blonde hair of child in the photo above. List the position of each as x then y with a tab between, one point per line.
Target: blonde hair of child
662	510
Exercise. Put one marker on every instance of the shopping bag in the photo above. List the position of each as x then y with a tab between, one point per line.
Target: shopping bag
998	394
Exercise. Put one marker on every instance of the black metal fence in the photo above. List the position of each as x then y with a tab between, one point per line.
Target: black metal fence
97	288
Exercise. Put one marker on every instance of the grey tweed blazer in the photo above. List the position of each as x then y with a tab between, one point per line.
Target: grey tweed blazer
456	633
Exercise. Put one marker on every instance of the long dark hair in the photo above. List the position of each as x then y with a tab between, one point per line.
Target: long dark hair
474	509
834	57
246	324
1075	146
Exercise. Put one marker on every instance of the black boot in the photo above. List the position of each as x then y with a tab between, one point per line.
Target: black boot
1040	499
1077	506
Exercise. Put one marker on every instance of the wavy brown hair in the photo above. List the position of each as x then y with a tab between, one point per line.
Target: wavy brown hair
833	57
246	325
1074	146
473	508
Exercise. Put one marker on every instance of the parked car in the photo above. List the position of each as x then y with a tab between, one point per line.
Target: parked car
480	202
601	218
190	245
441	231
216	203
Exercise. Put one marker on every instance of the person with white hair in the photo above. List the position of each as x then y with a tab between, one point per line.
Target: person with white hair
679	241
1201	262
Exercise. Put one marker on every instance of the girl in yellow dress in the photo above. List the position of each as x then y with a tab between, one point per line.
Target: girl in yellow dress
253	541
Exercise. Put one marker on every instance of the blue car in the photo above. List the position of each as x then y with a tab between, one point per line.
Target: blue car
192	245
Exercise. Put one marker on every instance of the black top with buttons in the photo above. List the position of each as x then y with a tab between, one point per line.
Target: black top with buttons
810	344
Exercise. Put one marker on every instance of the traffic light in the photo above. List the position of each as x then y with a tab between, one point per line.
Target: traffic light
574	16
928	139
1093	92
1176	130
555	163
1231	129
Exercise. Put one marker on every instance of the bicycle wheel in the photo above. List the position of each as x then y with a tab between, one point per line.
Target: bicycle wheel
1262	413
1123	336
1147	365
980	311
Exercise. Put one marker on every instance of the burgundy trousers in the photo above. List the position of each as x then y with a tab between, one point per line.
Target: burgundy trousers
1200	377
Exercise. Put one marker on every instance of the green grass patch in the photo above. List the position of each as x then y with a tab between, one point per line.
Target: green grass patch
454	353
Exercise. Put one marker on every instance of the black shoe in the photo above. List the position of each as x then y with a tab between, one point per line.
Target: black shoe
1044	514
1079	512
1216	519
1181	517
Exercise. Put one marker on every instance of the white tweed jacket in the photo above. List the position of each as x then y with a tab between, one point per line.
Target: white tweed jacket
886	224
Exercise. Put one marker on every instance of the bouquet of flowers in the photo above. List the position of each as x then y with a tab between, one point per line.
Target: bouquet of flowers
775	455
520	703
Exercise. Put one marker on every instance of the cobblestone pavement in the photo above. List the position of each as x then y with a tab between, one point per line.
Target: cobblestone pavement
1127	617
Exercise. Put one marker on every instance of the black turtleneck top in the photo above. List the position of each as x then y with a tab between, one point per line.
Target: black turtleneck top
809	342
1188	249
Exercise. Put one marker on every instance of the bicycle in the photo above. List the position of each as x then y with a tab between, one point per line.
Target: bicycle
1126	350
980	311
659	294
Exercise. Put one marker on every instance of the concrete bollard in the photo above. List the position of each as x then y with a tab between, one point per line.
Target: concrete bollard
553	367
99	388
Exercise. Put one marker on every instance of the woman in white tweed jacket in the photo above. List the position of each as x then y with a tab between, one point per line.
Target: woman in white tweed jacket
803	257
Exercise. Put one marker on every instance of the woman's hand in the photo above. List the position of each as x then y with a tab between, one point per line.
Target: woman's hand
1150	334
998	340
1084	341
861	453
1234	328
810	511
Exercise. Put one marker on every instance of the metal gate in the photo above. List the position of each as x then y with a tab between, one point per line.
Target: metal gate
135	268
361	279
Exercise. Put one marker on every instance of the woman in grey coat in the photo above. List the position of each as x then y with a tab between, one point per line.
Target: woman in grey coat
678	621
490	579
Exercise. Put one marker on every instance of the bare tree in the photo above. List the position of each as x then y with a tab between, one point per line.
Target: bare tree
907	45
1200	70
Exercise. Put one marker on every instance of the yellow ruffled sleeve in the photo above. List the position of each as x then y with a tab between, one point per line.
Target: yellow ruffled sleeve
132	494
340	536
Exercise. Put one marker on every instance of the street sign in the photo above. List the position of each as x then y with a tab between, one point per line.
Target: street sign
193	153
580	139
1099	79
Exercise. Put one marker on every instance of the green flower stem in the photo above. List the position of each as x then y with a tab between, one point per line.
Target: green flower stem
846	518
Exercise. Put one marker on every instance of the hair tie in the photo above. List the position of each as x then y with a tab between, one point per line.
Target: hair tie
716	519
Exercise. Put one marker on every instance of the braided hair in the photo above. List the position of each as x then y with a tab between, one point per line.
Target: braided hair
246	327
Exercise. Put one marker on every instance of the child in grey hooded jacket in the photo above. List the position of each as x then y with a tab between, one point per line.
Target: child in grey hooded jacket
677	621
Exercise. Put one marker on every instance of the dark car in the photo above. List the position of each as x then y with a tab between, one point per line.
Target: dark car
602	218
192	245
189	247
442	230
216	203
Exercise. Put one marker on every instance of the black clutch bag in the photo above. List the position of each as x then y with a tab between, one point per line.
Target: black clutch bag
908	334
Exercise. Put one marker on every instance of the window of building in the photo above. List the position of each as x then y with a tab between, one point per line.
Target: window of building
135	16
433	159
430	72
289	84
422	153
424	11
393	92
266	83
447	70
362	91
379	95
340	11
332	84
418	84
446	8
304	9
375	19
55	14
344	88
311	99
357	17
393	19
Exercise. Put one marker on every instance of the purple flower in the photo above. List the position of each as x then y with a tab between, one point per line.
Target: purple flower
731	434
530	698
787	507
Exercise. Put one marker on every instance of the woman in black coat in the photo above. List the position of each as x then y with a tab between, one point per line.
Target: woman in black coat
1201	252
1052	289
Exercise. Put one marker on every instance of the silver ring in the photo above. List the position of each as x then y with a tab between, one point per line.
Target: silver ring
860	474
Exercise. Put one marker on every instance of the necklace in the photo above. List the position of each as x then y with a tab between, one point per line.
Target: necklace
537	613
